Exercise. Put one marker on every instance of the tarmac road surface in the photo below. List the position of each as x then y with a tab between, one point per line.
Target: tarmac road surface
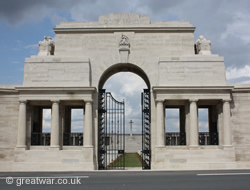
128	180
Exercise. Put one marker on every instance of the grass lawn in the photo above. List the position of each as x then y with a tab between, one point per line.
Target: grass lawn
132	160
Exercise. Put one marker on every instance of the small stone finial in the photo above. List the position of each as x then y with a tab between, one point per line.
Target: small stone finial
46	47
203	46
124	41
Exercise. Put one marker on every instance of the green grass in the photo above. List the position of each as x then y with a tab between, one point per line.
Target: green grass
132	160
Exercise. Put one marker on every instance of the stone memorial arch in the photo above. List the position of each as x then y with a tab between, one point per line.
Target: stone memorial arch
179	71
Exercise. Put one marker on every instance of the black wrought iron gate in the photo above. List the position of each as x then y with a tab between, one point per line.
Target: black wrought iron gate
111	126
146	120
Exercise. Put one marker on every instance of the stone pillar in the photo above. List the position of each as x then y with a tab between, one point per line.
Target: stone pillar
21	137
193	140
88	125
220	124
55	127
160	128
227	141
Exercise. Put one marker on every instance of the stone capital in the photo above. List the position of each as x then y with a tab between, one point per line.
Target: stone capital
55	101
159	100
88	101
193	100
22	101
226	100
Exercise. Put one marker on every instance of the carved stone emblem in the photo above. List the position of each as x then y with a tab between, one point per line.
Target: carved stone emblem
46	47
124	48
203	46
124	41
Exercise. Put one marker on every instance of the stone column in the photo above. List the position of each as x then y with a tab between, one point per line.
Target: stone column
21	137
193	140
227	141
220	124
54	136
88	126
160	128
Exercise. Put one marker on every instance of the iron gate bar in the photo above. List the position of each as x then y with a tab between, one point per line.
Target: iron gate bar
146	137
101	130
112	129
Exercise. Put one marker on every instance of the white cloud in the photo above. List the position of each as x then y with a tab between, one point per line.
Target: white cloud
77	120
46	120
233	73
56	19
203	126
132	84
203	119
172	123
128	86
239	28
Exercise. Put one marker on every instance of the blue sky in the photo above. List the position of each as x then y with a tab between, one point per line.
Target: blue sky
23	23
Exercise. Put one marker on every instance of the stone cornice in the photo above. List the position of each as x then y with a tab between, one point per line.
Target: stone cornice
60	89
194	58
56	59
192	88
8	90
242	88
110	29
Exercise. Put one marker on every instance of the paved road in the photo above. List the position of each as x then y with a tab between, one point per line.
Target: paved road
204	180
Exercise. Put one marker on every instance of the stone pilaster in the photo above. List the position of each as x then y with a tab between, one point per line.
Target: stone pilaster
88	125
160	128
227	141
54	137
21	137
193	139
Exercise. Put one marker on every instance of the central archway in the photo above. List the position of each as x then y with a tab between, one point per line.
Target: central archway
105	124
123	67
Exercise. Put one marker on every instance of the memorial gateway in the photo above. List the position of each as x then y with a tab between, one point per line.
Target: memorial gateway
69	73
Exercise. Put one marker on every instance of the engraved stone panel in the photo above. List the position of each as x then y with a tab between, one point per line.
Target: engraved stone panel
124	18
56	74
141	44
182	73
